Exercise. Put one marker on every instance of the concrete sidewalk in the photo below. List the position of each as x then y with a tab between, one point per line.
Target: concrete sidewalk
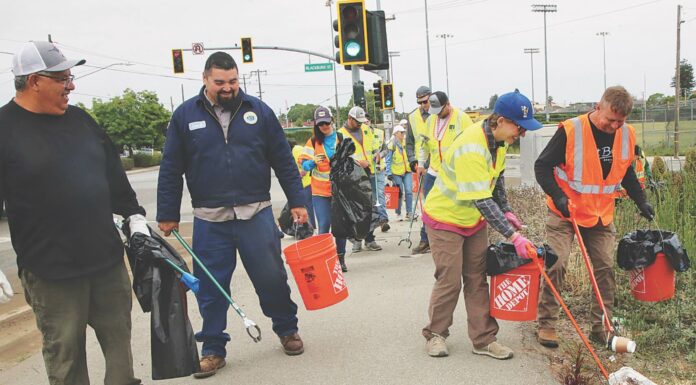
373	337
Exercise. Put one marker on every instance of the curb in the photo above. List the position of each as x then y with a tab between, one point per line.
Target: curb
139	170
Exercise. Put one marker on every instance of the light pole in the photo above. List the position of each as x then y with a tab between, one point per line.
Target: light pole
604	49
445	36
391	64
531	52
401	96
333	54
427	44
545	8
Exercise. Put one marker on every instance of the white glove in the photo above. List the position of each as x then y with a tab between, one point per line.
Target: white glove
6	292
138	224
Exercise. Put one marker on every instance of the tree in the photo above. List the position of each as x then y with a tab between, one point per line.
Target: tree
686	78
135	119
492	100
300	113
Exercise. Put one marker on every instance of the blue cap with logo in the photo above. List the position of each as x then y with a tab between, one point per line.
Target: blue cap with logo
518	108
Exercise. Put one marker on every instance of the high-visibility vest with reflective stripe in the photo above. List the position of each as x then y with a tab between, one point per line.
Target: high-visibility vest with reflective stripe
306	178
581	177
399	159
458	121
321	184
379	141
467	174
418	128
639	167
363	151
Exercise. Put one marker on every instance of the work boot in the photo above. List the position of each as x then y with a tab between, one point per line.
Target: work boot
547	337
357	246
209	366
342	261
372	246
385	227
422	248
436	346
292	344
495	350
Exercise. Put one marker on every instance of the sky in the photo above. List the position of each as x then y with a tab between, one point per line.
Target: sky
485	55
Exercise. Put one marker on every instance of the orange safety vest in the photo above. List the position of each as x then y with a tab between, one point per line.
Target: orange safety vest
581	177
321	184
639	167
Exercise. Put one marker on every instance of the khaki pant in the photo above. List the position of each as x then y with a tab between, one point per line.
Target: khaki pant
599	242
64	308
458	258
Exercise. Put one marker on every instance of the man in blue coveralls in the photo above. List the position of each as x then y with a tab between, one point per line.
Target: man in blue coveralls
226	142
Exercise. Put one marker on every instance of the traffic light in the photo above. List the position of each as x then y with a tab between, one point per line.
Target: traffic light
178	61
387	96
352	32
359	95
247	50
377	90
377	41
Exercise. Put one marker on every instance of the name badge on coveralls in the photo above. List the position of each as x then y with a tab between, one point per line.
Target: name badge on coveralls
250	117
196	125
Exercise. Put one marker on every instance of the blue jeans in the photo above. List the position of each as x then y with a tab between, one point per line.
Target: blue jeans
380	177
307	193
322	207
405	183
217	244
428	183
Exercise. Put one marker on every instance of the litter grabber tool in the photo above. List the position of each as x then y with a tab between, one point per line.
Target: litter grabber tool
407	238
624	375
252	329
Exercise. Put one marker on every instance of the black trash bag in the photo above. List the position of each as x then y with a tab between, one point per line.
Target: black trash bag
639	249
351	203
158	290
502	257
288	226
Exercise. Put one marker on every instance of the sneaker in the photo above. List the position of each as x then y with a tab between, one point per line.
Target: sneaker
436	346
373	246
357	246
547	337
209	366
495	350
385	227
400	218
422	248
292	344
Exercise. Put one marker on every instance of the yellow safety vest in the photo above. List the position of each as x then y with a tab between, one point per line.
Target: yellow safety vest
363	150
467	174
399	159
307	178
457	121
418	128
379	141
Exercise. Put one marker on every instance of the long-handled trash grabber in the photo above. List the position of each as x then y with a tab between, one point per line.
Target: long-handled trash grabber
407	238
248	324
619	377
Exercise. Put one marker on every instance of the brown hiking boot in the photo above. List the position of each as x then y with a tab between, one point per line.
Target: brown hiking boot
548	338
210	366
422	248
292	344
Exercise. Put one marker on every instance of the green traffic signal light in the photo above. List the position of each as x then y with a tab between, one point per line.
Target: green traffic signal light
178	61
351	26
247	50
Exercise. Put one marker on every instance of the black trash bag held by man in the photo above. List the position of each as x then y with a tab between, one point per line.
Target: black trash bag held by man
351	203
158	290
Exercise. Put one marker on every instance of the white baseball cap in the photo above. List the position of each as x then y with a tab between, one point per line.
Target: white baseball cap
398	128
358	114
35	56
403	122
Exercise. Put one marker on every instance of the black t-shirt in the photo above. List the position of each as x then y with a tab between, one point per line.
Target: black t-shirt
61	179
555	154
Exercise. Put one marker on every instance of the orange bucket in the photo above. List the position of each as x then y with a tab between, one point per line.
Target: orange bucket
317	271
514	295
415	183
391	197
653	283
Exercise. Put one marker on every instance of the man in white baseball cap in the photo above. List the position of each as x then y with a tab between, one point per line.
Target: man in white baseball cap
36	56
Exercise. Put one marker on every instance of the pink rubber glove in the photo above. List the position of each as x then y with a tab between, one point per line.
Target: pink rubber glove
522	245
514	221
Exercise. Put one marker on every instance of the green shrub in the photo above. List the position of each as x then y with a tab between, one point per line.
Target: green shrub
147	160
659	168
127	163
690	164
300	135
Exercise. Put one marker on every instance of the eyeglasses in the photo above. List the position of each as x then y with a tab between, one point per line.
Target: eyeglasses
423	101
323	124
66	80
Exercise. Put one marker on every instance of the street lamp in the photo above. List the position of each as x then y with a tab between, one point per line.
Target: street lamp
403	111
445	36
333	54
101	68
427	44
604	49
545	8
531	52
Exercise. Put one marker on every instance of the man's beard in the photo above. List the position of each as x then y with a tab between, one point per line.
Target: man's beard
227	103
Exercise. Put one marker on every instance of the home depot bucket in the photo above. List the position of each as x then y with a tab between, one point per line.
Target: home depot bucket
514	294
391	197
653	283
317	271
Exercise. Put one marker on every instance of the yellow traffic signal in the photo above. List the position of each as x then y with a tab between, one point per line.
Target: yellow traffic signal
352	32
178	61
387	96
247	50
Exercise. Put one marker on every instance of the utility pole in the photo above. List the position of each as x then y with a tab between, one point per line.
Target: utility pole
444	37
677	85
333	53
427	45
391	64
171	102
545	8
244	79
531	52
258	75
604	49
183	98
